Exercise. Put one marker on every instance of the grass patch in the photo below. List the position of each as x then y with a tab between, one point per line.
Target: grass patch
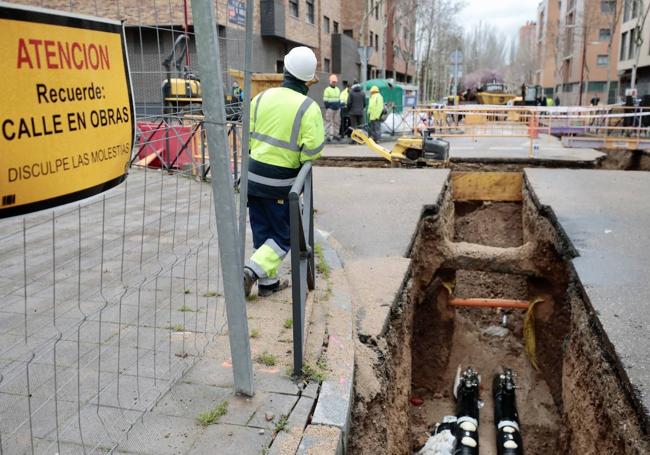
212	294
252	297
187	291
315	373
211	417
255	333
176	328
282	424
266	359
288	323
322	266
186	309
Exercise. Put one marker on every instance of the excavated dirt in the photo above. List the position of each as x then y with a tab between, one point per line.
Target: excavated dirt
626	160
488	223
575	403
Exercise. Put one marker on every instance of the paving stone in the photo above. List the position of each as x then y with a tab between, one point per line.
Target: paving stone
162	435
190	400
231	440
334	401
321	440
280	405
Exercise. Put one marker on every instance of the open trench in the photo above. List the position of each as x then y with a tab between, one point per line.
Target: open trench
487	238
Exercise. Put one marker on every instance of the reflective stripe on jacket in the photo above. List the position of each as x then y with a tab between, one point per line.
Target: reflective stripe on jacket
375	106
286	130
344	96
331	97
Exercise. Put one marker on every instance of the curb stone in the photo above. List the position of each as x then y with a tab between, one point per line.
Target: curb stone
327	433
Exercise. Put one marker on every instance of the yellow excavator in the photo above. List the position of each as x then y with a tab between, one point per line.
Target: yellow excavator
181	93
409	151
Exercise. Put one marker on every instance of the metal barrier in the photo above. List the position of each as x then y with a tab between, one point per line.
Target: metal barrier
302	256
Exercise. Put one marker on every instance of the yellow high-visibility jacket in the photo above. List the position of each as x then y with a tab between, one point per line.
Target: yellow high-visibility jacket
286	130
344	96
375	106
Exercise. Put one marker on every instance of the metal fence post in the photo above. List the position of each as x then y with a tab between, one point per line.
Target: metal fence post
245	126
222	189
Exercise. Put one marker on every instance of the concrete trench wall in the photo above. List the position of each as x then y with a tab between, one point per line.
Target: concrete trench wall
597	415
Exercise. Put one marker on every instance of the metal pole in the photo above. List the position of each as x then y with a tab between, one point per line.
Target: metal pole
224	202
245	126
582	67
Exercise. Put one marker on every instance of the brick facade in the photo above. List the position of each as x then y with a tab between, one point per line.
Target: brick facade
152	27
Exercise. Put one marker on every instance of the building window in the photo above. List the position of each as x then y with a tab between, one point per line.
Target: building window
326	65
326	24
336	28
604	34
596	86
293	8
602	60
310	11
279	66
635	8
621	55
607	6
632	46
377	11
349	33
371	38
376	43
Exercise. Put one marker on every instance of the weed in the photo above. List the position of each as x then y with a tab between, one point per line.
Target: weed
187	291
186	309
322	266
251	298
176	328
255	333
212	294
313	373
282	424
288	323
267	359
210	417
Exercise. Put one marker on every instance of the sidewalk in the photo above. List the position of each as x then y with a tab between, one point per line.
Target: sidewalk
143	349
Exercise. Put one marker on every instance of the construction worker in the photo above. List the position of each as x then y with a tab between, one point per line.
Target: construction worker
286	130
332	100
375	110
236	93
345	111
356	106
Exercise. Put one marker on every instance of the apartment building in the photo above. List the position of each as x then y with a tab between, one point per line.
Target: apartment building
634	31
584	46
400	40
330	27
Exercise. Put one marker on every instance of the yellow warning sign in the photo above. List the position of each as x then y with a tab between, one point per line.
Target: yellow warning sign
66	122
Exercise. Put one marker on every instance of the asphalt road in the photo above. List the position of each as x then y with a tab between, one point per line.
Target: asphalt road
606	215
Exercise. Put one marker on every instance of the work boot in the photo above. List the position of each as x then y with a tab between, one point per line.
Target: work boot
249	279
267	290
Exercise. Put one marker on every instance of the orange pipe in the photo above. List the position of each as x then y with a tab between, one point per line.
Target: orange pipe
490	303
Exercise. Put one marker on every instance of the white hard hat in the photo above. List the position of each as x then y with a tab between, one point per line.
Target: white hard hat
301	63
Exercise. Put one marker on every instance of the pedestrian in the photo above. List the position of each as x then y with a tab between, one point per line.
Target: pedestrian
236	93
345	112
356	106
557	100
286	130
375	110
332	100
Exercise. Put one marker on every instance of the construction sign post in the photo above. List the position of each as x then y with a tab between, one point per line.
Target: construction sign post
66	122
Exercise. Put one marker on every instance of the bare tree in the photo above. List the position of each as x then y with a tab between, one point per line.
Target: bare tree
484	47
437	34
